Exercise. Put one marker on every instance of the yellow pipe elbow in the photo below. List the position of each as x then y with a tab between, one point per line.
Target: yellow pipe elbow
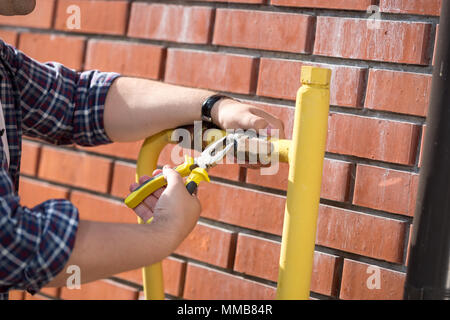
152	276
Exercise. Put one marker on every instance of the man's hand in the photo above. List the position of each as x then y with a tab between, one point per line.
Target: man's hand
173	209
231	114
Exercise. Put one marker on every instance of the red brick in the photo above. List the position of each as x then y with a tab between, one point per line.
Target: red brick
130	59
209	244
335	179
279	78
242	207
30	157
355	280
9	36
52	292
34	192
226	171
249	29
36	296
376	139
100	290
134	276
123	176
324	278
75	168
171	22
203	283
124	150
16	295
363	234
241	1
423	7
217	71
400	92
252	250
96	208
66	50
361	5
385	189
100	16
277	181
393	41
174	271
41	17
44	294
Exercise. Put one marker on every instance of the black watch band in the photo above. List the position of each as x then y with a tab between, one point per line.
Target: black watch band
209	104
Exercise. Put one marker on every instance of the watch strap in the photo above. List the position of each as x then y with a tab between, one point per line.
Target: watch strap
208	104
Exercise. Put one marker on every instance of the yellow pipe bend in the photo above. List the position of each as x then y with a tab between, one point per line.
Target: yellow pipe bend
152	276
147	162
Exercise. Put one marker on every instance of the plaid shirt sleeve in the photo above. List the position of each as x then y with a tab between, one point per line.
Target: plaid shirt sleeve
35	243
60	105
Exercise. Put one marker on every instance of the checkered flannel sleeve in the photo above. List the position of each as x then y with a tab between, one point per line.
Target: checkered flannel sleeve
35	243
61	106
58	104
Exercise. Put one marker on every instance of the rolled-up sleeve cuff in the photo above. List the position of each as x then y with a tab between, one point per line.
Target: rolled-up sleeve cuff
56	245
89	126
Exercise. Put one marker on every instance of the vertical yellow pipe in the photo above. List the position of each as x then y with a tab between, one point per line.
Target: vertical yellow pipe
152	276
306	156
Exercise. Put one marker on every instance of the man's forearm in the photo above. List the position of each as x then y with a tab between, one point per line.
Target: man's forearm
138	108
104	249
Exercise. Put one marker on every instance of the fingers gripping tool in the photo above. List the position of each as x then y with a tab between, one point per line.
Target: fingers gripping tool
193	168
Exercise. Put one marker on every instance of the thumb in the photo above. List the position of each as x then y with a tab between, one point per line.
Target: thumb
172	177
255	122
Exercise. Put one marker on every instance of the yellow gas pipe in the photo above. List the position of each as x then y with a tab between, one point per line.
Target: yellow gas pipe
147	162
305	154
152	276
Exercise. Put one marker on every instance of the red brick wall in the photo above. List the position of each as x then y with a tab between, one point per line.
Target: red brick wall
253	49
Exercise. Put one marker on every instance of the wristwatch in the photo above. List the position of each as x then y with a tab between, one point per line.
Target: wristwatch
209	104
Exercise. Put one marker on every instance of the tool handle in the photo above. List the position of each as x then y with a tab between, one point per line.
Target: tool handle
197	175
156	182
